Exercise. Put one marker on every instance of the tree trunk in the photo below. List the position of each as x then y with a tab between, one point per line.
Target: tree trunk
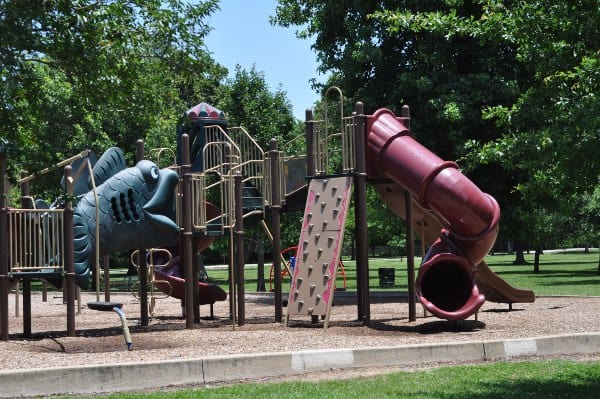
536	262
520	255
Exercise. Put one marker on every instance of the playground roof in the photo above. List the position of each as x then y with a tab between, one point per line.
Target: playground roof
204	111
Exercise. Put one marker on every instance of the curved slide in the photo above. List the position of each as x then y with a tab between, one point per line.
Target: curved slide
172	273
496	289
428	227
172	270
446	284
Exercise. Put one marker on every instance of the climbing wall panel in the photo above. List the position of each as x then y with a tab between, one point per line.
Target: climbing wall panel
321	238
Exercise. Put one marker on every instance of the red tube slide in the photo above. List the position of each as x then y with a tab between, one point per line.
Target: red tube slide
446	281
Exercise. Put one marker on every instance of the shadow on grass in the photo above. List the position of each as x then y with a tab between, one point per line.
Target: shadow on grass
560	273
583	386
570	263
570	282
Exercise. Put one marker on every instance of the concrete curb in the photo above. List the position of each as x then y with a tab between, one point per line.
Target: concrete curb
154	375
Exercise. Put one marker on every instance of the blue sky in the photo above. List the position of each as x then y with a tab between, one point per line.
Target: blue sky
243	35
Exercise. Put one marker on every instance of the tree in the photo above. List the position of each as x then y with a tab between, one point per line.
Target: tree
507	87
550	138
90	74
249	102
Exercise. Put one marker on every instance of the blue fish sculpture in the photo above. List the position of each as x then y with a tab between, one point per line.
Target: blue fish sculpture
136	209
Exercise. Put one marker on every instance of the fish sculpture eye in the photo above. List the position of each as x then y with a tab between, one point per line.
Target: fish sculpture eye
149	171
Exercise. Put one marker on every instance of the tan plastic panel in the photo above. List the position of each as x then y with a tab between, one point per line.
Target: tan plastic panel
321	239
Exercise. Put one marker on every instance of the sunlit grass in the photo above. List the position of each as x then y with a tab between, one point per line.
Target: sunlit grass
564	273
568	273
523	380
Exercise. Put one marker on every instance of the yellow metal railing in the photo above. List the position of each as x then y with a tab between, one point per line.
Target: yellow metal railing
35	239
222	185
252	159
334	146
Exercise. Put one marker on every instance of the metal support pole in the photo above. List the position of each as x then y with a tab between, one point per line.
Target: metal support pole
310	143
195	280
410	257
44	291
4	291
106	264
26	281
188	270
276	223
360	217
141	257
69	251
410	240
239	248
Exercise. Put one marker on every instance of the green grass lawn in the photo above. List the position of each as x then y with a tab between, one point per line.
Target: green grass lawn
568	273
501	380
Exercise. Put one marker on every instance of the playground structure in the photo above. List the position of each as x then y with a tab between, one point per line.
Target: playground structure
224	179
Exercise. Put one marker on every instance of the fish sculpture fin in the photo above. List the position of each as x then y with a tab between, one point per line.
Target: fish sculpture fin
108	165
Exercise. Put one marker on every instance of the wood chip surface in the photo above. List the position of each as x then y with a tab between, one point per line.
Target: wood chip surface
100	340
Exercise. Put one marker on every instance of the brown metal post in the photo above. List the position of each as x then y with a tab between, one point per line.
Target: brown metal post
196	288
405	112
276	222
360	217
188	270
26	281
310	144
44	291
410	240
106	264
3	251
141	257
239	248
69	251
410	257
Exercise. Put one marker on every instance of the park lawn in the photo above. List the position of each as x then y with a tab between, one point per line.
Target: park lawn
564	273
555	379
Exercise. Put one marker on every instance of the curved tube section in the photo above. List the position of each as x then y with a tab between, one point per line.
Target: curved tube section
446	282
126	332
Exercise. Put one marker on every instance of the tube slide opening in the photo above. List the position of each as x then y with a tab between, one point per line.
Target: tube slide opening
447	286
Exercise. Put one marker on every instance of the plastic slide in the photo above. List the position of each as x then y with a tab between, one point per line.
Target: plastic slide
172	273
496	289
446	284
172	270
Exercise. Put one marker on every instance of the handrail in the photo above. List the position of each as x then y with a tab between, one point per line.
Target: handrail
35	238
41	230
157	152
60	164
326	151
